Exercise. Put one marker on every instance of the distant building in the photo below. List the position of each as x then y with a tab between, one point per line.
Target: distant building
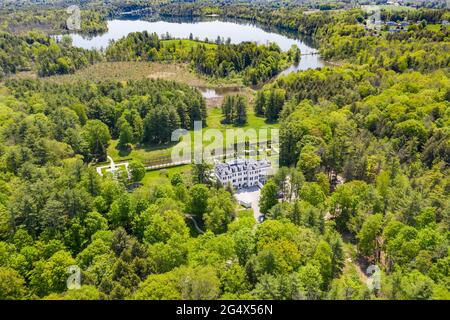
243	173
445	23
404	24
391	24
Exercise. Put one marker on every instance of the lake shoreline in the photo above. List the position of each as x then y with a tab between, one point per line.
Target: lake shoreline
237	32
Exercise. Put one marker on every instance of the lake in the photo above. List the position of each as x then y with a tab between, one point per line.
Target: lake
237	32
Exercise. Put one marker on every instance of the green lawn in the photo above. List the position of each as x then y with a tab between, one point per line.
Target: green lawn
434	27
144	153
151	153
246	213
187	44
391	8
253	121
163	176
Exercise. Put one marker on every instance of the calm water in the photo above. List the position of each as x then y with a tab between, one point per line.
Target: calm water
211	93
237	32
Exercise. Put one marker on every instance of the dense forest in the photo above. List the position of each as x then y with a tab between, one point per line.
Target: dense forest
364	177
48	56
42	54
376	124
151	109
50	21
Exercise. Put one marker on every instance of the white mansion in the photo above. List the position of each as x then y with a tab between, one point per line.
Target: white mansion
242	173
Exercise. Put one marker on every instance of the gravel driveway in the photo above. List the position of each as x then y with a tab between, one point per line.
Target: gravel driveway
250	195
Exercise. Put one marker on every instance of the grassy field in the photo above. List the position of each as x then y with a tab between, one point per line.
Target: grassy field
151	153
435	27
163	176
391	8
186	45
135	70
142	153
244	213
253	121
132	70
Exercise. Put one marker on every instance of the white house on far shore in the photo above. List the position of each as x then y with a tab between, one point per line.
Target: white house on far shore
243	173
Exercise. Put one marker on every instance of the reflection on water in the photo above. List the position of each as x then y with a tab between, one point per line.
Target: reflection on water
307	62
237	30
209	93
212	93
206	29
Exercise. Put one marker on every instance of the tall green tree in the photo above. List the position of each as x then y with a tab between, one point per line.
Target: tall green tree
12	284
369	236
198	200
137	170
269	196
125	135
260	103
96	137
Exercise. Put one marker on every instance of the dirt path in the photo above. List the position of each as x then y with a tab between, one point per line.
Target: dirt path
351	261
191	217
